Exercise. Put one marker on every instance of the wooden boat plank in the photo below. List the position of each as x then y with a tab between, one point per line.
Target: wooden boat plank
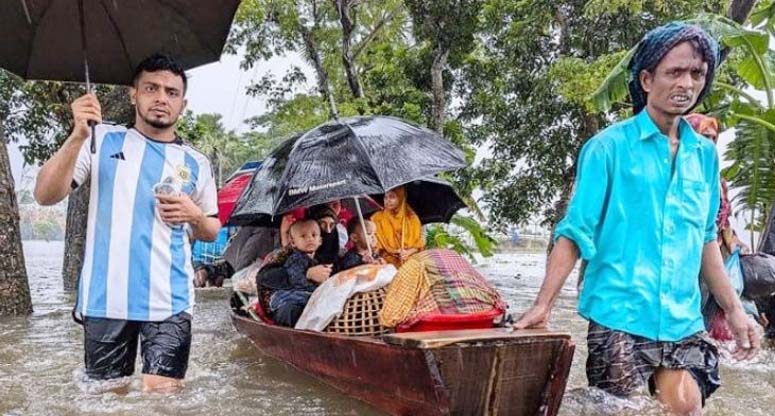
509	377
395	379
454	373
559	379
437	339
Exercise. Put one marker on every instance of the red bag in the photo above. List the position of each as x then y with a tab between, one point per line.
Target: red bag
719	329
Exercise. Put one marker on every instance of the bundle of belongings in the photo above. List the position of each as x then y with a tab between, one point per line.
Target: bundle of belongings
328	300
432	282
437	281
753	277
759	276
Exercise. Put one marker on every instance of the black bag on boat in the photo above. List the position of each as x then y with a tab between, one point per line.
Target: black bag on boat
767	240
758	275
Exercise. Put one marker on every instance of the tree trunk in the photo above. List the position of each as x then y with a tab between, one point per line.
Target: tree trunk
75	235
740	9
14	287
440	56
322	76
591	126
346	12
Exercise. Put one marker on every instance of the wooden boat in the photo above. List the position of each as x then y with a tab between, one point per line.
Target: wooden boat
465	372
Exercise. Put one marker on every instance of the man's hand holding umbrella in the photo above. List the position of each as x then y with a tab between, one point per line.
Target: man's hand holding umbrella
86	108
60	176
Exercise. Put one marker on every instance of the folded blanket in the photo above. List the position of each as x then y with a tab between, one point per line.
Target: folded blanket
436	281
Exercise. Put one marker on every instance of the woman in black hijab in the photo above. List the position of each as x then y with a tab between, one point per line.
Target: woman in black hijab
328	253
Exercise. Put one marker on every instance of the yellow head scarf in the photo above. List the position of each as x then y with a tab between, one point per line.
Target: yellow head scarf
399	229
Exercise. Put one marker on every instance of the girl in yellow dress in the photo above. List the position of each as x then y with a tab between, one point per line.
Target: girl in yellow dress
399	232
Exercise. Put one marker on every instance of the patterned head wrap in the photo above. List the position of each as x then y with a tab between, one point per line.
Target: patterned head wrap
702	123
656	44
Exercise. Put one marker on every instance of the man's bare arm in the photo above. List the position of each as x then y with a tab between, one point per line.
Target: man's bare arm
205	229
56	175
561	262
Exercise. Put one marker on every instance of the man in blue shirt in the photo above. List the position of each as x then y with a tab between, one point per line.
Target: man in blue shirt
643	217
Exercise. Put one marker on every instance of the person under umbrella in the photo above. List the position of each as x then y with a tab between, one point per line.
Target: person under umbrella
328	252
150	194
399	232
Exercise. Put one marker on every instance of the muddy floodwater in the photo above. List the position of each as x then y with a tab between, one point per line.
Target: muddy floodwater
41	359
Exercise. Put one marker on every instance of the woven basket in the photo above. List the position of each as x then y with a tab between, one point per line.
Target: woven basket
360	315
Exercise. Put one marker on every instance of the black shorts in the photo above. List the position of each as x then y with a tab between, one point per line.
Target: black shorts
621	363
111	346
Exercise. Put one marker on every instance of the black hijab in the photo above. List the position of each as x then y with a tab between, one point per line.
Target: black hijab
328	253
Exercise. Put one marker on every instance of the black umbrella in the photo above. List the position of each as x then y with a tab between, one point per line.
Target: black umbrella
432	199
103	41
341	159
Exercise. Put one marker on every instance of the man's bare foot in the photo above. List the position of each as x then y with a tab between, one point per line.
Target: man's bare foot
159	384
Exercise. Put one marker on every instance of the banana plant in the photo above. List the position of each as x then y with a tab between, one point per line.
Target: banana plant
752	65
454	237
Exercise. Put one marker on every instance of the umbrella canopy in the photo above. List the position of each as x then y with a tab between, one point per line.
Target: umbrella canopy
432	199
344	158
229	195
40	39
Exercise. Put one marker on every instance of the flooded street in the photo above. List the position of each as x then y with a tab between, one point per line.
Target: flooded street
41	357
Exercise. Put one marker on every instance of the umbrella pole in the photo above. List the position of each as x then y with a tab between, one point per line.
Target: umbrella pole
92	124
363	224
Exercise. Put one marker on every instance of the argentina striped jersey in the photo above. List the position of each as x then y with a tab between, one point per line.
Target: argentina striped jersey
137	267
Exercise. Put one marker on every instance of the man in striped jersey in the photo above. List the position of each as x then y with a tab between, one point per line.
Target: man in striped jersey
137	278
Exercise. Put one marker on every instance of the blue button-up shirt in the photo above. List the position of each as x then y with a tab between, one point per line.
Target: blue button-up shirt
640	218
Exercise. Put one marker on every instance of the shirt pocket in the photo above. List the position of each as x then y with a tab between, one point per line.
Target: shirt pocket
695	202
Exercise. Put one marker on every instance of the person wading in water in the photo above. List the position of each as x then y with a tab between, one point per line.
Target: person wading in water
643	216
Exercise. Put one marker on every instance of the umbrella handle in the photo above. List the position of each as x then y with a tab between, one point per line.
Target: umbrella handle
84	48
363	224
93	144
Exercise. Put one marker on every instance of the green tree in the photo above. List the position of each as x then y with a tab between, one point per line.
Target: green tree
227	150
266	28
14	287
465	235
527	87
449	27
46	230
25	197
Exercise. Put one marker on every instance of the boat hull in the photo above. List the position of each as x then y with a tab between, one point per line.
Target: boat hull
494	373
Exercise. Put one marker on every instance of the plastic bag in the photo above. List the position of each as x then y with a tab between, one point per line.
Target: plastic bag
735	271
328	300
759	275
767	241
718	327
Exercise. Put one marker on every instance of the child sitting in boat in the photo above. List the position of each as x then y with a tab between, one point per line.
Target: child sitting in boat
361	240
304	273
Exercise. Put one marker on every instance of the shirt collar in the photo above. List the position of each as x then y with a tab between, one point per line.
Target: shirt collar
649	129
